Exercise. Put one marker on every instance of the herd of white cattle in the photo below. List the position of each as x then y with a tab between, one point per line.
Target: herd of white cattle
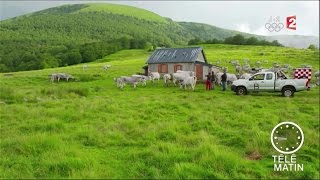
183	78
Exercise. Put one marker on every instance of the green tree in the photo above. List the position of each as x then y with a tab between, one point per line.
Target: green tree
239	39
312	46
73	57
252	41
195	41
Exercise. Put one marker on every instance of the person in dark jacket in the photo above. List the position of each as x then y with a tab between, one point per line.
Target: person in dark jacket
224	80
208	81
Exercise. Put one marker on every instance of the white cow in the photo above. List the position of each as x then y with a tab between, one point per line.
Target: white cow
181	75
59	76
143	79
154	76
230	77
166	78
84	67
191	80
106	67
121	81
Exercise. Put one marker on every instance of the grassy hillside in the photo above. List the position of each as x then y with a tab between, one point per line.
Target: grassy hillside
208	32
87	31
71	34
281	55
90	129
124	10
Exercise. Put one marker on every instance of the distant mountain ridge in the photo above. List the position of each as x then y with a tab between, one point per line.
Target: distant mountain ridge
296	41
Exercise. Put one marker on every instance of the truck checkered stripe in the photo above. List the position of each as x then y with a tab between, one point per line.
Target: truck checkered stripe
302	73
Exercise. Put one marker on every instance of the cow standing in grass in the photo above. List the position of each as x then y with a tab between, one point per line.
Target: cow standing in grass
58	76
230	78
84	67
106	67
181	75
191	80
154	76
121	81
143	78
166	79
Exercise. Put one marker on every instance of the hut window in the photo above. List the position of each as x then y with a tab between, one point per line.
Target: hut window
177	67
163	68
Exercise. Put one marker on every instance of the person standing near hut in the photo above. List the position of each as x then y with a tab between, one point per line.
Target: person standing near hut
213	79
224	80
208	81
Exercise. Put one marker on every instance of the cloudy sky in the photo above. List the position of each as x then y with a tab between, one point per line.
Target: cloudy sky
245	16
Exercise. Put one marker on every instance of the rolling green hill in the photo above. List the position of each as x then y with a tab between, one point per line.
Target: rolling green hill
124	10
80	33
71	34
88	128
208	32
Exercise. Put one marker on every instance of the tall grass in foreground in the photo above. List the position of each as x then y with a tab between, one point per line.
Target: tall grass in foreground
88	128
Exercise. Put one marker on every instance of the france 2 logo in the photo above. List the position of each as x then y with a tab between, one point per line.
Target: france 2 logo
291	22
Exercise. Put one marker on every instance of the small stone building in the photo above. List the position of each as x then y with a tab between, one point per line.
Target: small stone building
169	60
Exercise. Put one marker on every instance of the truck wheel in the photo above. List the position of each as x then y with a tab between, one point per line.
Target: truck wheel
241	91
287	92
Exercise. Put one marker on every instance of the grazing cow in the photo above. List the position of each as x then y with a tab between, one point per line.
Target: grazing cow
246	67
84	67
181	75
154	76
106	67
191	80
59	76
166	79
238	68
143	79
121	81
230	78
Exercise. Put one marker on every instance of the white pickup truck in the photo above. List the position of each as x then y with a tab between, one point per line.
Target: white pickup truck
269	82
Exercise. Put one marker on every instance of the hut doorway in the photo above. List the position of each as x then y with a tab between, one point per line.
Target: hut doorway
199	71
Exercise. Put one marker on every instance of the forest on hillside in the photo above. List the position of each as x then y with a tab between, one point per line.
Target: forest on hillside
60	37
52	40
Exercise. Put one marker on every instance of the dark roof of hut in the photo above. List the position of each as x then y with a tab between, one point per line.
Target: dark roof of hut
175	55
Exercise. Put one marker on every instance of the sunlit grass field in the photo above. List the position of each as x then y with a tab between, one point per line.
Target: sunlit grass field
88	128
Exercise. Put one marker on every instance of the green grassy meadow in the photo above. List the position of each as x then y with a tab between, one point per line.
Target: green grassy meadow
88	128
